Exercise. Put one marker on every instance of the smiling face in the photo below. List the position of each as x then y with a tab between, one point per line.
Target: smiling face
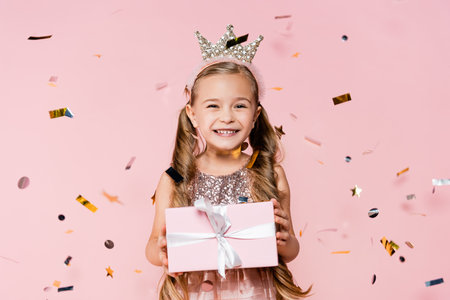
224	111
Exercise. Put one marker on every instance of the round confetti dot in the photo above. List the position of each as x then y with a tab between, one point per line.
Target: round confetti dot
207	285
344	37
348	158
109	244
373	212
402	259
23	182
61	217
374	278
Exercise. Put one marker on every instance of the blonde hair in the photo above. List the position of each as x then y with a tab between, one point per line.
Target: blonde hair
262	138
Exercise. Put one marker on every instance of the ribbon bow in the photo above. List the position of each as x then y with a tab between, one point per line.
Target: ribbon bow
220	223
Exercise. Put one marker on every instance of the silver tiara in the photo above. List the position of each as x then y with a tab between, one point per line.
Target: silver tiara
242	53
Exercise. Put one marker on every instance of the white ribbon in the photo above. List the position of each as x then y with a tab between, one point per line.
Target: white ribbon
220	223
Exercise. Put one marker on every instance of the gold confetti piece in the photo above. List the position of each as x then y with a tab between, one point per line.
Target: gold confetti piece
356	191
438	182
87	204
279	131
252	161
321	162
57	283
293	116
402	171
39	37
69	231
312	141
60	113
112	198
340	252
138	271
389	246
367	152
154	197
296	54
424	215
98	55
341	99
283	17
160	85
409	244
52	84
300	233
109	272
277	88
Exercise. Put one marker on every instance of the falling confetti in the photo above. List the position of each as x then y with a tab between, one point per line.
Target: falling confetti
296	54
60	113
344	37
109	244
341	99
23	182
109	272
389	246
402	171
98	55
236	41
313	141
154	197
328	229
283	17
374	278
321	162
39	37
348	158
67	261
130	163
86	204
10	259
434	282
279	131
53	78
69	231
47	289
56	283
293	116
174	174
160	85
409	244
438	182
340	252
67	288
277	88
373	212
356	191
253	159
112	199
138	271
61	217
411	196
402	259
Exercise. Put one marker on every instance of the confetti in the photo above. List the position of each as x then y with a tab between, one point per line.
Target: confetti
321	162
402	171
296	54
293	116
23	182
53	78
130	163
438	182
279	131
253	159
52	84
69	231
328	229
283	17
154	197
239	40
109	244
56	283
421	214
244	146
342	98
109	272
313	141
409	244
39	37
340	252
174	174
389	246
61	217
112	198
356	191
373	212
60	113
277	88
87	204
66	288
67	261
411	196
138	271
10	259
402	259
374	278
242	199
344	37
434	282
47	289
160	85
98	55
348	158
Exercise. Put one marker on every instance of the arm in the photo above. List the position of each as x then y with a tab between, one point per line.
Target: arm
163	197
287	244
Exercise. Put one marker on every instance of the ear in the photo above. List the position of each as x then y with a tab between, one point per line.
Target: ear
257	112
191	115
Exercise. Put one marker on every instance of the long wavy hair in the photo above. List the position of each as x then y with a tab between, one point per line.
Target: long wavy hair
262	138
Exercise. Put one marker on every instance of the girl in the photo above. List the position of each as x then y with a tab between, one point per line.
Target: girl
224	111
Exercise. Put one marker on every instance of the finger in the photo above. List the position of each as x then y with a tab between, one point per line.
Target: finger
284	236
163	231
276	204
280	212
281	243
283	222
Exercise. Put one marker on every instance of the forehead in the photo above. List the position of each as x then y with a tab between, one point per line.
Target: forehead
224	85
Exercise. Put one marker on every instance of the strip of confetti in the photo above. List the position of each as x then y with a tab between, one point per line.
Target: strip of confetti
67	261
69	231
130	163
87	204
340	252
293	116
410	196
434	282
98	55
112	198
320	162
315	142
439	182
10	259
66	288
374	278
342	98
277	88
409	244
60	113
253	159
174	174
402	171
283	17
327	229
236	41
296	54
421	214
389	246
160	85
138	271
39	37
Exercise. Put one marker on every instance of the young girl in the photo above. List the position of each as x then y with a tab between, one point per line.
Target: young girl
224	111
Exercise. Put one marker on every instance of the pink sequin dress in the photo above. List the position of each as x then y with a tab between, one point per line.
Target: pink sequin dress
250	283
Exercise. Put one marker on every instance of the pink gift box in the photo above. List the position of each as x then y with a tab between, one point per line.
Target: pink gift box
258	252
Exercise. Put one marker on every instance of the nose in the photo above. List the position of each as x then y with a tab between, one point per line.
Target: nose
226	115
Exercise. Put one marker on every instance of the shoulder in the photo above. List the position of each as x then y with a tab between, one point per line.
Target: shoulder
280	177
164	188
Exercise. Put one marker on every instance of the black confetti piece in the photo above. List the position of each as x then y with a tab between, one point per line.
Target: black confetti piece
174	174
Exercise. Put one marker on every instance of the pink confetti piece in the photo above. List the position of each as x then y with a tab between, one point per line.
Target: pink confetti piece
313	141
53	78
130	163
328	229
160	85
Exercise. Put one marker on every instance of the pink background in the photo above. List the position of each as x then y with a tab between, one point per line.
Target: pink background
395	64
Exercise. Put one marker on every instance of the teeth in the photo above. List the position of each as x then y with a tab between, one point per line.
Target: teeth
226	131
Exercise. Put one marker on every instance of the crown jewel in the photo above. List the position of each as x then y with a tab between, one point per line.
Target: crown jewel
242	53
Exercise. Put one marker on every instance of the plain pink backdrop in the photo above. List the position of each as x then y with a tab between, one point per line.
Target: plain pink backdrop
395	64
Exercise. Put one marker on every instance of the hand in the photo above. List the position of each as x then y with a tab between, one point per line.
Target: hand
162	244
281	218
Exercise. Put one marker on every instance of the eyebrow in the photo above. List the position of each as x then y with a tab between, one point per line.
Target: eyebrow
237	98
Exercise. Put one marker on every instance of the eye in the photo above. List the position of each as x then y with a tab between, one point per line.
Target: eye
211	105
242	105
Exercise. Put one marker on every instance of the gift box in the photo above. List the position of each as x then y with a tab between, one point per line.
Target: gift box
207	237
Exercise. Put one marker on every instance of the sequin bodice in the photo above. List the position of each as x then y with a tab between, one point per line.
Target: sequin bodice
223	189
